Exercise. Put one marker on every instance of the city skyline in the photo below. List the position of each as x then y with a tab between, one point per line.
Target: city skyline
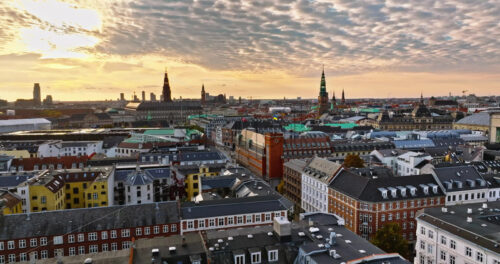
262	50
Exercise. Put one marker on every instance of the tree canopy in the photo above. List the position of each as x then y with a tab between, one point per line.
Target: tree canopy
389	238
352	160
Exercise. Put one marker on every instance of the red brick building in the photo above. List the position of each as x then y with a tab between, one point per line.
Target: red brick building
367	203
292	178
64	162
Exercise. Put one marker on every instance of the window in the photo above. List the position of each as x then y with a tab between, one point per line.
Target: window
22	243
429	248
443	240
12	258
230	221
468	251
104	235
452	259
125	232
138	231
249	218
268	217
255	257
104	247
479	257
211	222
10	245
93	236
147	231
422	230
221	221
2	259
382	217
156	229
44	254
443	255
126	245
1	246
190	224
201	223
165	228
422	244
93	249
114	246
239	259
239	219
453	244
272	255
81	250
257	218
58	240
173	228
22	257
431	234
34	255
81	237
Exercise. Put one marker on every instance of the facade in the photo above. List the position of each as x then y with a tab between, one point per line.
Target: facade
232	213
367	203
316	177
29	237
192	175
458	234
292	180
60	148
307	145
387	157
173	112
67	189
58	163
495	128
343	148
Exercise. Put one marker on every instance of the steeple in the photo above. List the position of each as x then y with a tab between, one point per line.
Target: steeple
167	94
421	98
334	100
322	89
343	97
203	93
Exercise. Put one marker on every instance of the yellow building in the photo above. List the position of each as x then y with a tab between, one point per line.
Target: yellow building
18	154
12	204
192	176
68	189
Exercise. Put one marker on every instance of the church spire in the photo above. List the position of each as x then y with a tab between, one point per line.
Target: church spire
203	94
343	96
167	93
322	89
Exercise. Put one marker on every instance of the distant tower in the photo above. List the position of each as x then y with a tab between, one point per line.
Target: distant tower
421	98
239	100
37	97
122	97
323	95
203	94
152	96
343	98
334	101
167	94
143	96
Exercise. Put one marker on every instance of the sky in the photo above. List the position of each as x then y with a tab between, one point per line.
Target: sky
94	49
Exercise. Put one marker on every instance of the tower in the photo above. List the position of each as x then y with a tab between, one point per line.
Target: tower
343	98
37	97
203	93
323	95
334	100
143	96
167	94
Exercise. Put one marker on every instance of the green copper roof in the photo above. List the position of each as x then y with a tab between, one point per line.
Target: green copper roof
159	132
343	125
296	128
366	110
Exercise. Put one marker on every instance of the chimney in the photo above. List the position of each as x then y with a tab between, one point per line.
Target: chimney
469	219
469	210
333	238
485	205
282	228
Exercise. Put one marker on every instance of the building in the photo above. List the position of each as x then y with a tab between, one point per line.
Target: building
86	120
28	237
37	95
387	157
307	145
152	97
203	95
477	122
367	203
340	149
143	96
58	163
12	204
192	175
458	234
292	180
60	148
261	154
52	190
411	163
232	213
316	177
495	128
420	118
323	104
28	124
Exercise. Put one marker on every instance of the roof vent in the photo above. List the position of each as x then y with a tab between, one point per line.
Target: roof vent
250	236
444	209
321	245
230	238
469	219
348	241
485	205
211	248
270	233
362	251
220	241
469	210
301	234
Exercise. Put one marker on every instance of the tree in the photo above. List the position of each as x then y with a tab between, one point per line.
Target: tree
352	160
389	238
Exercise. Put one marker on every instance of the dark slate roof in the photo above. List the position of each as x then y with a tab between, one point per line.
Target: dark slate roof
482	231
232	206
153	173
367	189
217	182
14	180
459	175
360	146
448	142
478	119
53	223
136	178
112	141
169	106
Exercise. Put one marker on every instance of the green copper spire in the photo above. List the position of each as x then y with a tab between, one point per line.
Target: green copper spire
322	90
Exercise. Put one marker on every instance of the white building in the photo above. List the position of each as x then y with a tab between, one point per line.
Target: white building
463	234
388	157
316	177
28	124
59	148
411	163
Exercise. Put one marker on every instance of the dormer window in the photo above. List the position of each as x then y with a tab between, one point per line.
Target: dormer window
272	255
239	259
255	258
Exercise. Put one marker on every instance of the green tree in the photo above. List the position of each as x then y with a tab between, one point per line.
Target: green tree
352	160
389	238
